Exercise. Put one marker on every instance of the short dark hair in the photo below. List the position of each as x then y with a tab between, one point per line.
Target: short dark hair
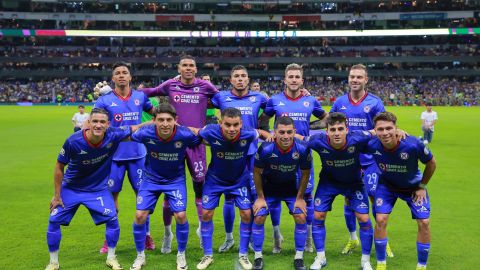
284	120
81	106
164	108
231	113
385	116
336	117
205	74
238	67
187	56
121	64
99	111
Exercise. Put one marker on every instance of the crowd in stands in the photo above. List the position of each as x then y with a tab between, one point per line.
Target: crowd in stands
393	91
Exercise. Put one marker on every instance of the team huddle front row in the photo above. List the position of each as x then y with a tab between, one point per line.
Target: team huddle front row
281	172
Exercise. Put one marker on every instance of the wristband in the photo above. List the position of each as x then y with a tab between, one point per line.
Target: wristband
424	186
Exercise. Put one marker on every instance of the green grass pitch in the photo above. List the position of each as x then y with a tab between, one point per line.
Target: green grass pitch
31	137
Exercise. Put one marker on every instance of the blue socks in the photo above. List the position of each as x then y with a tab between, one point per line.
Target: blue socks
228	215
147	224
182	236
245	231
207	234
422	252
381	249
300	236
112	233
139	233
366	236
319	233
275	214
258	236
350	218
54	236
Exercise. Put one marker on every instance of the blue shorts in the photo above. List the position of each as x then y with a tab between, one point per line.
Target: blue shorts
212	190
326	193
135	169
385	200
175	192
371	174
275	202
100	204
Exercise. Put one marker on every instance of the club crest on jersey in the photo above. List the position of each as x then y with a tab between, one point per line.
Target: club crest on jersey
253	99
379	202
118	117
220	155
178	144
404	155
318	201
243	142
295	155
306	103
110	182
205	199
176	98
351	149
196	89
329	163
366	109
137	102
54	212
139	199
382	166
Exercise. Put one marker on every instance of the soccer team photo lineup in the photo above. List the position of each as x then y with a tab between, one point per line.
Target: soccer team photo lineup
219	134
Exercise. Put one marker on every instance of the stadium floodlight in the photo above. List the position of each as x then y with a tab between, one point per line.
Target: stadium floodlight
243	34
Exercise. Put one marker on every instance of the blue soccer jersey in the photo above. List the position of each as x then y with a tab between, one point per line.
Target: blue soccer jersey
299	109
165	160
228	163
123	112
341	167
399	166
249	105
281	167
359	115
89	165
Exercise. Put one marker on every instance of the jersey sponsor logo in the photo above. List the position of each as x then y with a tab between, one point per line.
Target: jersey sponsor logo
404	155
281	104
329	163
317	202
253	99
325	151
137	102
113	104
363	205
151	142
110	182
228	99
54	212
295	155
243	142
178	144
196	89
426	151
366	109
118	117
245	201
62	152
274	167
377	153
382	166
176	98
351	149
284	114
306	103
82	152
205	199
343	108
179	203
139	199
217	143
177	87
379	202
220	154
422	209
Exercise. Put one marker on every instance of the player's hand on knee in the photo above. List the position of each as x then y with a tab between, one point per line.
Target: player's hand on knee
56	201
258	205
419	196
301	205
101	89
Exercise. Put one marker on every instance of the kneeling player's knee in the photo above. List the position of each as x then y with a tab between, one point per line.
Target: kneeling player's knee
320	215
141	217
300	218
246	216
259	220
180	217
